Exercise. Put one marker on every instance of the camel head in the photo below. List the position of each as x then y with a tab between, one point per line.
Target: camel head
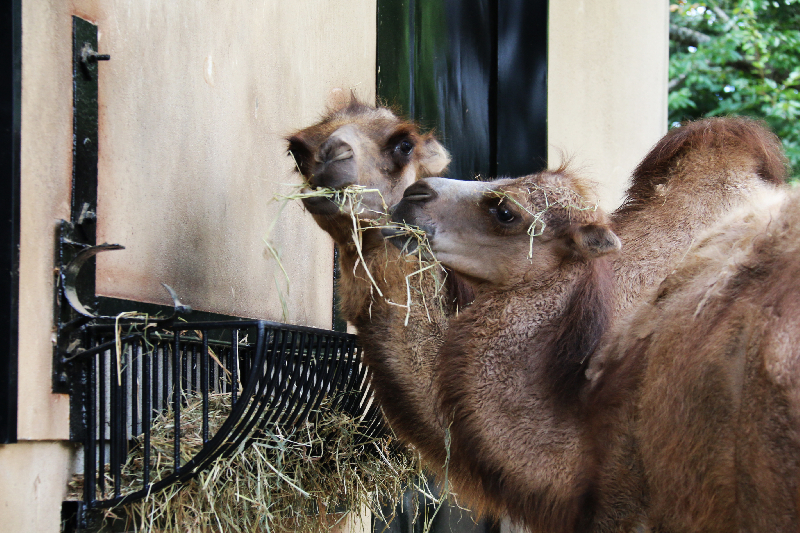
361	145
509	231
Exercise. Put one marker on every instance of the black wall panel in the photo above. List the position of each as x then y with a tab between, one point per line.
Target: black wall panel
476	72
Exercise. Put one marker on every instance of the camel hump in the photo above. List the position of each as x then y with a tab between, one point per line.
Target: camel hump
716	140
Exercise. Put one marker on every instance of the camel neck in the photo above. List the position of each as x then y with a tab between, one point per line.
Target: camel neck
501	374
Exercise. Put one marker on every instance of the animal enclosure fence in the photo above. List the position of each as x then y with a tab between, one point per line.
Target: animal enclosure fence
132	373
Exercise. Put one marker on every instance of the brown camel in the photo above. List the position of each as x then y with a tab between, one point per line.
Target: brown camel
706	375
361	145
512	372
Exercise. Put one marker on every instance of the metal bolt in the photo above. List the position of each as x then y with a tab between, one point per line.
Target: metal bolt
88	55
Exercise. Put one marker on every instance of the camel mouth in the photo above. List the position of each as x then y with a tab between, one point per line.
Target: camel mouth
407	244
321	205
403	239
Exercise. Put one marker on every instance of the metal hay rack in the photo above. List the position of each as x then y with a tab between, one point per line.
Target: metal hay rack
275	375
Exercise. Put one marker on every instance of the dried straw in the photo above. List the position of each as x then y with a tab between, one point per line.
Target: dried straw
350	201
304	480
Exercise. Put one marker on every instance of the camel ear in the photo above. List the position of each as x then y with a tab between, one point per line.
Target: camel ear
592	241
434	158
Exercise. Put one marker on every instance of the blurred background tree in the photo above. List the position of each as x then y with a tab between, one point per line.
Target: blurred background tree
738	57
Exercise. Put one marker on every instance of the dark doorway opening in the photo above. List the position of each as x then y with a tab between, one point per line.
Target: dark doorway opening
475	71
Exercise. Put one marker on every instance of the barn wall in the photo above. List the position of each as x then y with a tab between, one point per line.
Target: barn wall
33	479
194	105
607	86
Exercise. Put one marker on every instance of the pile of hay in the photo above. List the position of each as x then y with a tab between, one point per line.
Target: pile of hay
303	481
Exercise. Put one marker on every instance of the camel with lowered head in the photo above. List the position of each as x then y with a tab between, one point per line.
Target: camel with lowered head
548	286
362	145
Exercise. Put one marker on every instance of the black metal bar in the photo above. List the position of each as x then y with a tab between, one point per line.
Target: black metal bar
146	407
84	149
228	362
287	377
350	390
176	400
102	418
296	397
122	424
194	371
240	423
10	127
274	370
264	393
320	370
90	443
204	384
186	382
342	374
359	388
234	369
153	357
117	421
136	358
165	380
101	347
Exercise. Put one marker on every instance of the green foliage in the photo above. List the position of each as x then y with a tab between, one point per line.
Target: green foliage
738	57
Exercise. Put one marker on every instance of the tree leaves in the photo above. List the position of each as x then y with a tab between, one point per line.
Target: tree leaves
738	57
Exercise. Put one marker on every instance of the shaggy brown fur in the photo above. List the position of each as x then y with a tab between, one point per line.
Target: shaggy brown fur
510	373
691	177
710	378
358	144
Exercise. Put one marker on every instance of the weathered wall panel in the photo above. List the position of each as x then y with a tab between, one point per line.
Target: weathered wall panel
194	106
607	86
33	483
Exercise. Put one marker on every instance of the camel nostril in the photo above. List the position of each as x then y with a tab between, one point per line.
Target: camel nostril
334	149
419	192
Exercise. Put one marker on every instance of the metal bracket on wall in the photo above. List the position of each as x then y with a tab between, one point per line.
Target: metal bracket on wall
79	233
76	303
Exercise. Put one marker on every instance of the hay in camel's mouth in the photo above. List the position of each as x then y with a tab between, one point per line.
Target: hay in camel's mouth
350	201
354	200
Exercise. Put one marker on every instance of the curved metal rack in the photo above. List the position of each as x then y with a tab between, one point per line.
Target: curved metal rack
277	375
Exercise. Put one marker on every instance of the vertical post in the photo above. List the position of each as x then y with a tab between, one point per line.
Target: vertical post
10	111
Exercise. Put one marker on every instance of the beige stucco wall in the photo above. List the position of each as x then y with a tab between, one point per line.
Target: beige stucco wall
195	104
33	483
607	86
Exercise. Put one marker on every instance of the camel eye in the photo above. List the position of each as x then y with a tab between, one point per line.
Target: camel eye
503	214
405	146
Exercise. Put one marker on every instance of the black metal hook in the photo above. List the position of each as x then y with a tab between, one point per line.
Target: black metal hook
70	274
